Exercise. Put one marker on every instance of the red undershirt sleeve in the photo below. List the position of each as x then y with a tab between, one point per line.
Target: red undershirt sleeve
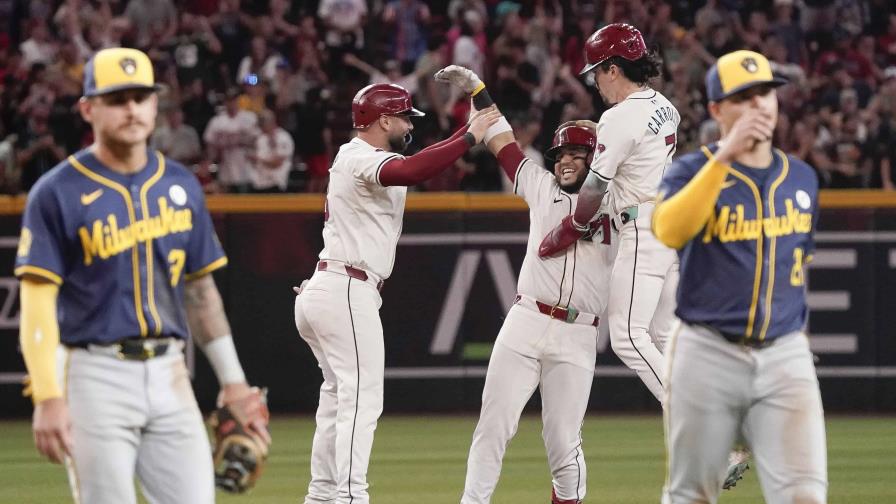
510	157
425	164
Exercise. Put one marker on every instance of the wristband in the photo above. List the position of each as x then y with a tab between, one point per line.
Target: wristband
222	355
481	98
495	129
470	138
579	227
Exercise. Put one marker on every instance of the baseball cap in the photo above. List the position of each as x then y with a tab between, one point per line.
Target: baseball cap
118	69
737	71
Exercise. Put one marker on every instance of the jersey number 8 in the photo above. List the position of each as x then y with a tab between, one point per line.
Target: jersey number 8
796	274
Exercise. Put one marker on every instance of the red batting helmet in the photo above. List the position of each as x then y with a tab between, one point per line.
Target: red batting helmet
378	100
617	39
571	135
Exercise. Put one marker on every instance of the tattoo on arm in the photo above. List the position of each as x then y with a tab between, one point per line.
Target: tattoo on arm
205	310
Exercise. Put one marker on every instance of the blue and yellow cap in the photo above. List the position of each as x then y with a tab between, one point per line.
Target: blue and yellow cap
117	69
737	71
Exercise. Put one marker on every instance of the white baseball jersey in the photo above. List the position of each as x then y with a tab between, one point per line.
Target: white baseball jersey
636	141
279	144
572	279
363	218
233	133
534	350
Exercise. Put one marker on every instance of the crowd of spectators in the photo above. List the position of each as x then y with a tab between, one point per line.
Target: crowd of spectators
257	93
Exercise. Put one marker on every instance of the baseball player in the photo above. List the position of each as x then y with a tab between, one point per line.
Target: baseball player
742	216
114	261
636	142
337	310
549	338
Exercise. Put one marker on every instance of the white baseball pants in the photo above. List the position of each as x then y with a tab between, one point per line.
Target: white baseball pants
719	392
641	308
338	316
136	418
533	350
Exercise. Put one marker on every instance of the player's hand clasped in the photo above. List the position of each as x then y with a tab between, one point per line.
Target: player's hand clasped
482	120
582	123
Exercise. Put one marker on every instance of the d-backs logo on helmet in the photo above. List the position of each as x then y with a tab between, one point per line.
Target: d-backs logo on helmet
617	39
376	100
572	135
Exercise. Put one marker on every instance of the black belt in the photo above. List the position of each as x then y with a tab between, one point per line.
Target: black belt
625	216
740	339
137	348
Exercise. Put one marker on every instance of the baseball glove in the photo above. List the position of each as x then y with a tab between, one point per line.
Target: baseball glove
239	453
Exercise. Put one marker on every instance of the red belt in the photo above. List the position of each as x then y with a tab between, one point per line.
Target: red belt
351	271
569	315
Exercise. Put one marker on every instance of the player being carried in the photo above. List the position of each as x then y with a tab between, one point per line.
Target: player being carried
549	338
337	311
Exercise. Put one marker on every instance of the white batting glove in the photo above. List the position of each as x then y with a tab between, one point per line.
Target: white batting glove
463	78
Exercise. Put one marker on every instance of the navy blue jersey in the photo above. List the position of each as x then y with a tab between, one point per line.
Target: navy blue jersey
743	273
120	246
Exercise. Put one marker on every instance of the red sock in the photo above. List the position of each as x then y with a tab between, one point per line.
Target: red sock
557	500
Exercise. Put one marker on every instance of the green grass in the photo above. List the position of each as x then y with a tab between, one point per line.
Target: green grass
423	459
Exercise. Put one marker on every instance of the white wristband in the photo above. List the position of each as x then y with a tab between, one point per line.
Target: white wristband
222	355
495	129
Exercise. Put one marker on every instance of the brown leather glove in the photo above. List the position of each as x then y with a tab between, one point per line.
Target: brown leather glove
238	452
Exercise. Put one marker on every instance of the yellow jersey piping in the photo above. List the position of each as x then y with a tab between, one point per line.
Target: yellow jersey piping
216	264
757	280
38	271
150	273
772	241
135	254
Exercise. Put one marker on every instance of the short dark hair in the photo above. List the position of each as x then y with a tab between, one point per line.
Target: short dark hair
638	71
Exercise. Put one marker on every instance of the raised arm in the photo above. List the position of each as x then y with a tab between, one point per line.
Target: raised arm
433	160
499	138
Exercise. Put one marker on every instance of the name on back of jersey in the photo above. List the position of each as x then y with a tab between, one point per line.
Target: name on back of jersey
106	239
661	115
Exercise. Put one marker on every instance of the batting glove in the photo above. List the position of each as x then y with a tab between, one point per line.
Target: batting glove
463	78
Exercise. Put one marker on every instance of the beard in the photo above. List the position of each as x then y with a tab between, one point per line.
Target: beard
399	144
574	186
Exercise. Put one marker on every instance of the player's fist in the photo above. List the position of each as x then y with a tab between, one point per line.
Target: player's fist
456	75
561	237
749	130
